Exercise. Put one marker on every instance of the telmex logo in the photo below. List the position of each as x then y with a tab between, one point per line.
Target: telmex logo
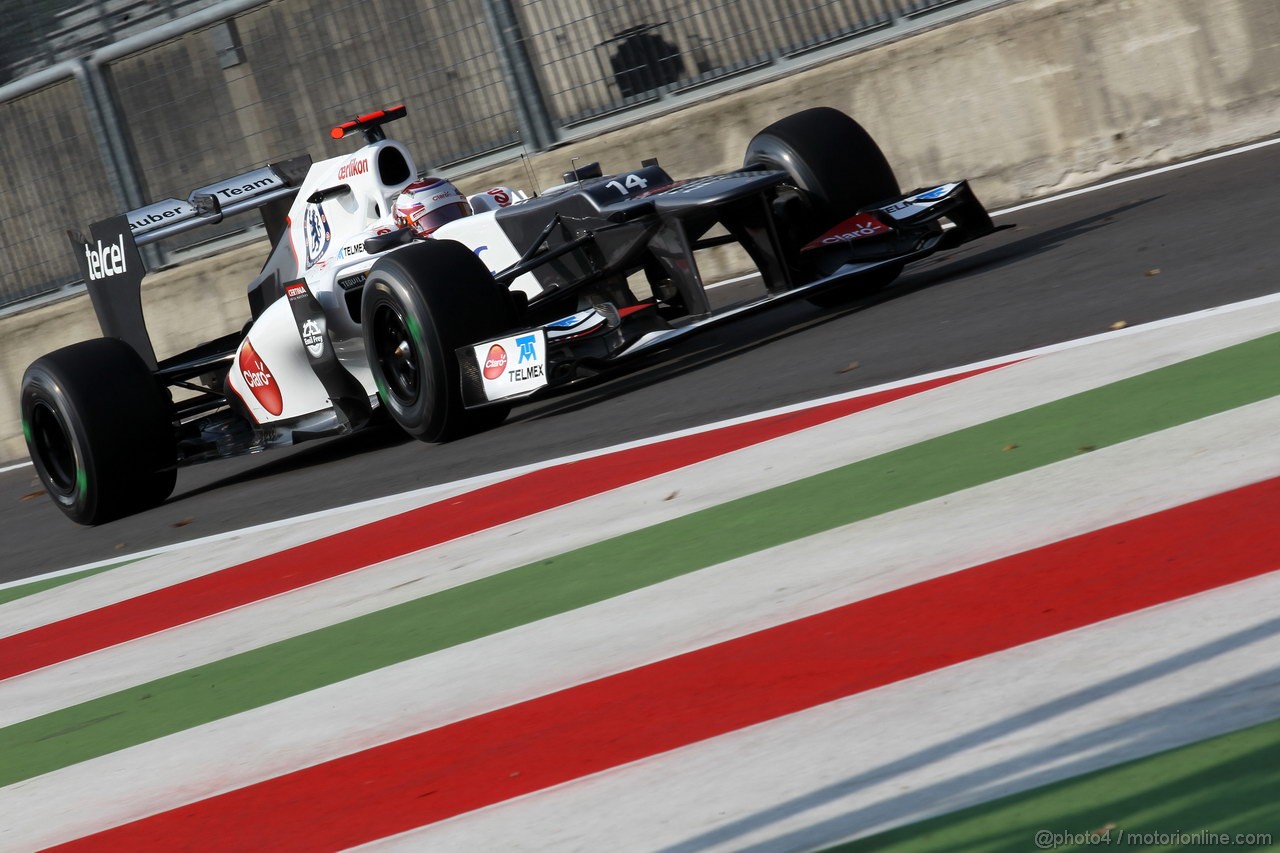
353	168
495	363
105	261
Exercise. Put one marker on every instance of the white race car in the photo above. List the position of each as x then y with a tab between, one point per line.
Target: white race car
385	290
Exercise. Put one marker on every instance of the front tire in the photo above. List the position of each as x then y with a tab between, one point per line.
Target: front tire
839	169
831	159
420	304
99	431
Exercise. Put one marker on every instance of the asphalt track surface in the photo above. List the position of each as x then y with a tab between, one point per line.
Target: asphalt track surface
1164	245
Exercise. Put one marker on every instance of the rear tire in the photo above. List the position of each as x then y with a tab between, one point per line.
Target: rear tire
421	303
839	170
99	431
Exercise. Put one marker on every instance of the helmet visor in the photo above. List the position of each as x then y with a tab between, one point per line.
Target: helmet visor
426	221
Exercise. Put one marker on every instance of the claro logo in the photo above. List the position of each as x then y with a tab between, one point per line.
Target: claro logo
495	363
859	227
259	379
105	261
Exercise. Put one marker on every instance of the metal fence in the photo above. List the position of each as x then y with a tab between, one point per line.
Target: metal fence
598	57
41	33
152	115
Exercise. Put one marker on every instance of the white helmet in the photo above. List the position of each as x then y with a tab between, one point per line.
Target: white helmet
427	204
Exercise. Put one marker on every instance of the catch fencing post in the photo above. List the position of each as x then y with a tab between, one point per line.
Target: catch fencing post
536	128
104	116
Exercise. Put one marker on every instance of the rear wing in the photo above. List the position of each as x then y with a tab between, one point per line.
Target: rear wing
112	266
209	204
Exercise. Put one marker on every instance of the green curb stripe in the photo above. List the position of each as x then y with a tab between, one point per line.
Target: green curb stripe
1226	784
1114	413
16	592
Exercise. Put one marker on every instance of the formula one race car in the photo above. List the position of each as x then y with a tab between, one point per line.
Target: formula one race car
386	291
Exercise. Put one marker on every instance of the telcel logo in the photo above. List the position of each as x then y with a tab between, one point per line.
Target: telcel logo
106	260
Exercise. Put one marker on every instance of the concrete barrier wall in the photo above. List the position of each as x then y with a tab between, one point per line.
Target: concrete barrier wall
1025	99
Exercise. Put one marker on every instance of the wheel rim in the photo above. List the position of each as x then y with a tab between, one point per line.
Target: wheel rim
397	354
53	447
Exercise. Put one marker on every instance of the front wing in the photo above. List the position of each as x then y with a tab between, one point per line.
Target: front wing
522	364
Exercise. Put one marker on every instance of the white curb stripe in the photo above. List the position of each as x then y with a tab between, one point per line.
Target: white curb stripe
1139	684
1109	358
897	549
407	500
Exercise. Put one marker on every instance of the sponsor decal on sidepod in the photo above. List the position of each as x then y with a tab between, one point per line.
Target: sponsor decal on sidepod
495	362
260	381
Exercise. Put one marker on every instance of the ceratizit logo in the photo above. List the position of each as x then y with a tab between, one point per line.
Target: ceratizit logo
105	261
259	379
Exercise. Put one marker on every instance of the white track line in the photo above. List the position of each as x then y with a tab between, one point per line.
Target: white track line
425	493
1173	167
766	414
882	429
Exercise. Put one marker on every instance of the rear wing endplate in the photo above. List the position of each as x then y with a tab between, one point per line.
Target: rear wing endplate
112	267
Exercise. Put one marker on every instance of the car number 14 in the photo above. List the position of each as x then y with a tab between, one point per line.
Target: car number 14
631	182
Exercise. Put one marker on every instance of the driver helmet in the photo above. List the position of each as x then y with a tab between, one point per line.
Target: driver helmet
427	204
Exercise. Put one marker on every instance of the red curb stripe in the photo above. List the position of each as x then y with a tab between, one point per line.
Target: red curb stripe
410	531
626	717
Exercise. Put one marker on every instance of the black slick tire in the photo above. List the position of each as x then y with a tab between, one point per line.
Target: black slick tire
420	303
99	430
830	157
839	170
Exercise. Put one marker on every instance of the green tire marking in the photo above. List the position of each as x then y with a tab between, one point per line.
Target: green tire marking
415	330
1104	416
